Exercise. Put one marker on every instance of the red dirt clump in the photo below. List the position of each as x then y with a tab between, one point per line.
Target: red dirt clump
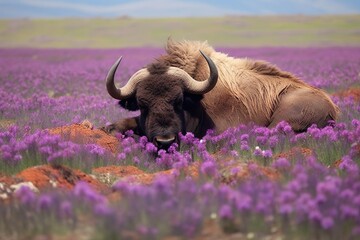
337	163
240	172
294	152
48	176
135	175
353	93
83	134
118	171
9	180
233	170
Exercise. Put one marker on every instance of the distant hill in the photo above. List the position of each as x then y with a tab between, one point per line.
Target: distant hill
235	31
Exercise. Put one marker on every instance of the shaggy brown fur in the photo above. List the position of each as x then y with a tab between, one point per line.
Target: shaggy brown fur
246	91
251	91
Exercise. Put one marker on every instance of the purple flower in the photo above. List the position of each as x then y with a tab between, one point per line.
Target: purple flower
25	194
262	140
267	153
258	151
121	156
349	165
243	202
44	202
208	189
273	141
84	191
283	127
244	137
66	209
225	211
244	147
347	194
285	208
150	147
327	222
347	211
315	215
122	187
127	150
355	122
143	141
281	163
95	149
102	209
234	153
209	168
188	138
136	160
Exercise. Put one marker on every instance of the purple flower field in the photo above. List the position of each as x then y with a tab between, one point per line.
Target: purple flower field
312	195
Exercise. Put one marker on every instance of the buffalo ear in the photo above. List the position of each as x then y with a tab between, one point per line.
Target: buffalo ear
129	104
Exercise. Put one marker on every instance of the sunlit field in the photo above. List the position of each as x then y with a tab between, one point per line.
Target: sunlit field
234	31
249	182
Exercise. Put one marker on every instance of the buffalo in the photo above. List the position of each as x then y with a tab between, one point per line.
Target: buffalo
194	88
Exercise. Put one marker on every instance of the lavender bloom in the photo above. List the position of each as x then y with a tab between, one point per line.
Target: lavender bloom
327	222
261	140
349	165
283	127
44	202
102	209
273	141
225	212
244	137
208	168
150	148
267	153
244	147
26	195
188	138
66	209
84	191
281	164
258	151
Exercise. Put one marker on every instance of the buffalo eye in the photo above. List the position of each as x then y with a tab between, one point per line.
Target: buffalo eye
129	104
178	103
143	107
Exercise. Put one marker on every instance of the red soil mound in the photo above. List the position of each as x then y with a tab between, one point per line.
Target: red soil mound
118	171
295	152
47	176
83	134
134	175
353	93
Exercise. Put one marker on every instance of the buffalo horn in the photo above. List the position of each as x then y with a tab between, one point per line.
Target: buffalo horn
129	89
194	86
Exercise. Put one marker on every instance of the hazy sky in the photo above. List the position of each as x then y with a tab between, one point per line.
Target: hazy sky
171	8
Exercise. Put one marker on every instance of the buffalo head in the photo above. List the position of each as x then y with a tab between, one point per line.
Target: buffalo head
168	99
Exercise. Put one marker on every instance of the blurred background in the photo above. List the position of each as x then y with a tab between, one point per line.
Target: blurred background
135	23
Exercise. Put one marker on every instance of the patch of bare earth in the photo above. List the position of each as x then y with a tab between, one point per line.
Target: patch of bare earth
353	93
84	134
295	152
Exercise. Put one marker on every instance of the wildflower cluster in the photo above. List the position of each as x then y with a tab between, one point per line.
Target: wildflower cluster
250	180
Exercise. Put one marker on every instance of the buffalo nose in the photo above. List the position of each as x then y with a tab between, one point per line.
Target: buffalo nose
164	142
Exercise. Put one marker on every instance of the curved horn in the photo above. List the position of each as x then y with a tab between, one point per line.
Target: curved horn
129	89
194	86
